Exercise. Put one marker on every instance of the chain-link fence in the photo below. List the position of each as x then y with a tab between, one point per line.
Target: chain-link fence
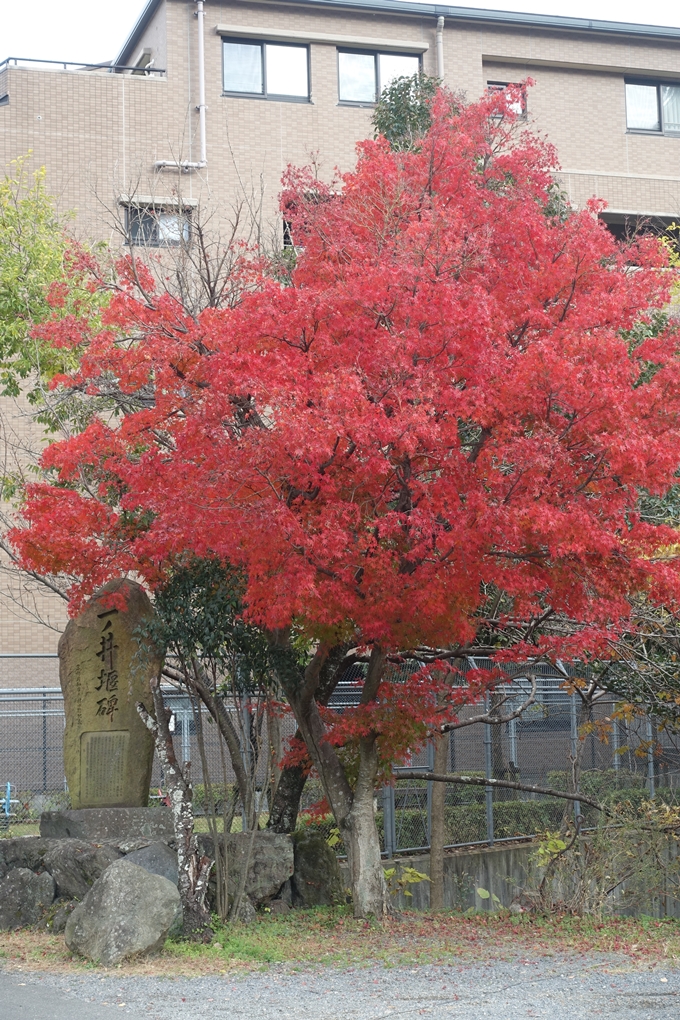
633	759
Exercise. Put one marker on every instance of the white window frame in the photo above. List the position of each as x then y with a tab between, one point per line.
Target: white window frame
265	94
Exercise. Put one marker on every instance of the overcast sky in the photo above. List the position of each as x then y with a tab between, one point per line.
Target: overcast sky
95	30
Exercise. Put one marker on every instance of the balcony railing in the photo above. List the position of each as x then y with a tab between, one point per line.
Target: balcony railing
68	65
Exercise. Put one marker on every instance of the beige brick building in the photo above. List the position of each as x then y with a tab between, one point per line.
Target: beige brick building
283	80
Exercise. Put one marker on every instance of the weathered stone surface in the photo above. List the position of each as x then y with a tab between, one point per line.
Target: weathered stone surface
103	672
271	862
246	913
127	912
157	858
316	879
118	826
61	911
23	852
75	865
279	907
24	897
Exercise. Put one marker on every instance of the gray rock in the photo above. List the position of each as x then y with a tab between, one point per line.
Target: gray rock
115	825
278	907
24	897
76	865
316	880
127	912
246	912
271	862
23	852
61	911
157	858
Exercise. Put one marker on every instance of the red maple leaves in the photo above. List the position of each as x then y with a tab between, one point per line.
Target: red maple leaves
443	398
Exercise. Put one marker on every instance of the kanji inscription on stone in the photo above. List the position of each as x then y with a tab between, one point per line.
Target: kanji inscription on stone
104	670
102	766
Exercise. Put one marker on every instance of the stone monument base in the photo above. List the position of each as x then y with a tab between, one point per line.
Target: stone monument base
115	825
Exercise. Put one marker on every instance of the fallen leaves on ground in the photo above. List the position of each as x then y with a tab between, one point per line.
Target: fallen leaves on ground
327	936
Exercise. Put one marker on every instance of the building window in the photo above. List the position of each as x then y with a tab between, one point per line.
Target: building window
267	70
653	107
157	227
363	75
519	108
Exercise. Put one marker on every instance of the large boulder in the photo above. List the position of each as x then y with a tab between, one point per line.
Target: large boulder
76	865
316	879
23	852
114	825
24	898
157	858
127	912
270	862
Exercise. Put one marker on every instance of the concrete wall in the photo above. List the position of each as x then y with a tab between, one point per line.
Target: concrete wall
504	871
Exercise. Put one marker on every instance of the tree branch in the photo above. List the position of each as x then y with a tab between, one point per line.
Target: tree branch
506	784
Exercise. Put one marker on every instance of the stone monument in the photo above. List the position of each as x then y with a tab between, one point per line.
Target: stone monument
104	670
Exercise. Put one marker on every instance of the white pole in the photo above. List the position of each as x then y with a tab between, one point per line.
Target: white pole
201	81
440	48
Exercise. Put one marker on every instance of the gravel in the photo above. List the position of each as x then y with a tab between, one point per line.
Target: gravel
567	987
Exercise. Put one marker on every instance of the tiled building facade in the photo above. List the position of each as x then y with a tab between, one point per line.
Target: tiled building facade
286	79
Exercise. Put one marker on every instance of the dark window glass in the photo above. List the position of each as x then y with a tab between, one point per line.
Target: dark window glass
157	227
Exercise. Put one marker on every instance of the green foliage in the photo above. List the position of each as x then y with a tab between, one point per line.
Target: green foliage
484	894
402	113
399	879
333	838
550	846
34	257
199	615
623	863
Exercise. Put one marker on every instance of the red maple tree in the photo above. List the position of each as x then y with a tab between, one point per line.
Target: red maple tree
441	401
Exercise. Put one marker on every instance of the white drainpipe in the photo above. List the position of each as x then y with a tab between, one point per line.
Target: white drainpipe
440	48
185	165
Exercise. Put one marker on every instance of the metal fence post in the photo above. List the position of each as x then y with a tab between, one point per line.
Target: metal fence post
186	737
616	757
488	764
513	743
430	766
389	824
650	758
44	741
574	751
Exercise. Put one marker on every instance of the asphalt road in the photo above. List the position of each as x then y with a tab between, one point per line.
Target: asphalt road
566	988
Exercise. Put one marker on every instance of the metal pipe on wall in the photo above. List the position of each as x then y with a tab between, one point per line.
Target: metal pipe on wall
186	165
440	48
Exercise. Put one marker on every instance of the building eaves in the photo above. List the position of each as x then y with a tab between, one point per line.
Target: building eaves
497	17
131	41
469	14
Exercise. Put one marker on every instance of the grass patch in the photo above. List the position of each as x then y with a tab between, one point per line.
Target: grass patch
332	937
29	828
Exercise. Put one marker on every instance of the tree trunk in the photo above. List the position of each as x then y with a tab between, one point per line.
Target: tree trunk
286	804
353	810
438	823
360	833
193	870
